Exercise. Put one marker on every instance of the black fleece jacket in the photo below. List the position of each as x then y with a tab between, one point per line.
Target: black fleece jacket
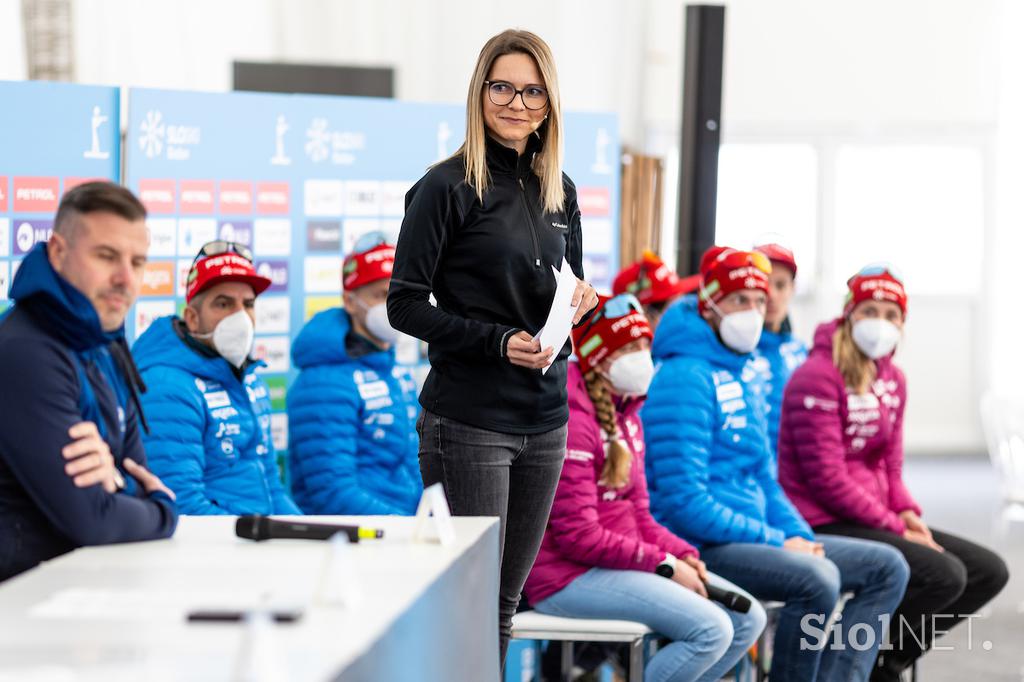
488	265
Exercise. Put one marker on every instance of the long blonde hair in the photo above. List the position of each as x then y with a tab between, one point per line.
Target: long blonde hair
857	369
618	459
548	163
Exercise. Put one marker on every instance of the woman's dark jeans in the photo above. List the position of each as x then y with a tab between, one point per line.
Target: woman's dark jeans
486	473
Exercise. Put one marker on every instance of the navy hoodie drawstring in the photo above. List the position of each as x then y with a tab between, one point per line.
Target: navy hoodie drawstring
123	357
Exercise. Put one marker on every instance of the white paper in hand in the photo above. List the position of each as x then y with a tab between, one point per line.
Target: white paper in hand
559	323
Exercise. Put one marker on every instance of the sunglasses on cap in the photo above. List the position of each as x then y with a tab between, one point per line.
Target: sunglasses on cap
622	305
774	251
877	269
220	247
738	259
369	241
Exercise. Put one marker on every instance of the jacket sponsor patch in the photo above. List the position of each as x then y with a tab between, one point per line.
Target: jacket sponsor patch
579	455
224	413
811	403
866	401
722	377
731	406
735	421
217	399
378	403
373	389
228	429
730	391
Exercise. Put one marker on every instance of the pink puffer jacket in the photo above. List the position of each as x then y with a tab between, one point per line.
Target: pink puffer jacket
840	453
591	524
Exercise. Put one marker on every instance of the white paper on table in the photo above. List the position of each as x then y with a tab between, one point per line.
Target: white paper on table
138	604
559	323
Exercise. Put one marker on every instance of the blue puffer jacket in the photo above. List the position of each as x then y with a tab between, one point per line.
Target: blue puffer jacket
708	458
352	426
209	434
770	367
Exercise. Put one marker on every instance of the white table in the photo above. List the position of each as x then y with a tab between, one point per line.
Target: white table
425	612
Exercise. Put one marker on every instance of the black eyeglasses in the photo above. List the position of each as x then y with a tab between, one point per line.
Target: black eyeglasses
221	246
502	93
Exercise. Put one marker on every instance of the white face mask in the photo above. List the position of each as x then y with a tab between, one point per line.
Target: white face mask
875	337
377	322
740	331
233	337
631	374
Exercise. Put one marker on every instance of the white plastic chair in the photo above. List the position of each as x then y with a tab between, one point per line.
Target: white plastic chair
1002	419
538	626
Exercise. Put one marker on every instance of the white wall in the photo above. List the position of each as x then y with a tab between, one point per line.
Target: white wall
821	71
790	64
188	44
871	62
12	44
1006	328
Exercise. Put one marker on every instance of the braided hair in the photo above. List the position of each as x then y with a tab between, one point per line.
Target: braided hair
618	458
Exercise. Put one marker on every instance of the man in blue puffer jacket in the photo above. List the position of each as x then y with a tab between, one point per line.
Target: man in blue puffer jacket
209	411
709	457
71	460
778	352
352	411
710	480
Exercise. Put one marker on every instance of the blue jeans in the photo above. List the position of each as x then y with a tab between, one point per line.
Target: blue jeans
811	586
707	639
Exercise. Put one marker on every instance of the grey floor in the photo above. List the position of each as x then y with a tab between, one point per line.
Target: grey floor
962	496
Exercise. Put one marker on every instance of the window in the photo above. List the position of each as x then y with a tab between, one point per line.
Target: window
768	192
919	207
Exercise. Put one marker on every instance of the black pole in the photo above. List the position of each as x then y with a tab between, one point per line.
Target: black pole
702	121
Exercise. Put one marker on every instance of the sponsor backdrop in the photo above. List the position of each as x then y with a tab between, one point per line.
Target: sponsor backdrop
52	137
300	179
297	178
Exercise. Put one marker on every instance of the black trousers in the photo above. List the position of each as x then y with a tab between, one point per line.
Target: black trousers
944	588
486	473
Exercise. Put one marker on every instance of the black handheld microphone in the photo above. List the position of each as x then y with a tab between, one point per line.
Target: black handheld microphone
730	600
258	527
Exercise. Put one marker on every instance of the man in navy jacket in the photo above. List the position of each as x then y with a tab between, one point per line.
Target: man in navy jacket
69	407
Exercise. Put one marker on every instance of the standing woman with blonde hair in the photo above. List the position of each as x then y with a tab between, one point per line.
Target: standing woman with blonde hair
482	231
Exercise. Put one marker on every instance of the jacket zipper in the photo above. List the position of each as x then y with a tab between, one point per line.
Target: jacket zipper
259	461
533	226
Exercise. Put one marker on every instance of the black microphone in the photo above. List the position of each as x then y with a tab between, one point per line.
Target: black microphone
730	600
258	527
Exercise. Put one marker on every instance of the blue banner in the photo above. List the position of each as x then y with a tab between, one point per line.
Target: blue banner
300	179
52	137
